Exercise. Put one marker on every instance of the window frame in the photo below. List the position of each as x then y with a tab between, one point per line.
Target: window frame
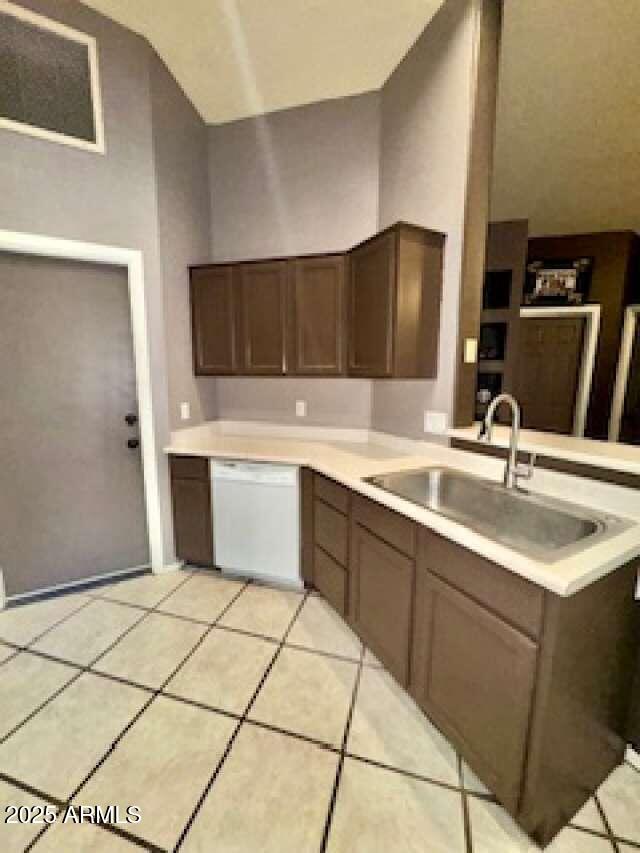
40	21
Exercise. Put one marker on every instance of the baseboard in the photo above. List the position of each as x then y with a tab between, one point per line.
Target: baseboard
60	588
632	757
169	567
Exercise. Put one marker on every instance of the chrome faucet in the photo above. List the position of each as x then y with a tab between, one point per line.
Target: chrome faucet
513	471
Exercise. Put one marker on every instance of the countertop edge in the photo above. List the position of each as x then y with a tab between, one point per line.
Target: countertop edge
512	561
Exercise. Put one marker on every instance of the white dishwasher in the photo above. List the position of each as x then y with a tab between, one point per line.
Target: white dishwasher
256	520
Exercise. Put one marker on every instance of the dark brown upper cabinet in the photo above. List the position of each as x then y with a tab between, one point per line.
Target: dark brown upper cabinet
374	311
263	317
317	316
394	305
213	314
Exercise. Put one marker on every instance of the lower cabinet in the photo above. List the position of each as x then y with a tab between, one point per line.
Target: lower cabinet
330	580
192	519
474	675
381	591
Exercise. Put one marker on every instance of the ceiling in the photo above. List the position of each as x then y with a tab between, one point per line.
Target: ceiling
239	58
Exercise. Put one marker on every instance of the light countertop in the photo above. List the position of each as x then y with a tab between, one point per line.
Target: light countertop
349	461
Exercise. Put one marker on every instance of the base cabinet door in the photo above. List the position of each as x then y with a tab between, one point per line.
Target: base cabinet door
474	675
380	599
330	580
192	521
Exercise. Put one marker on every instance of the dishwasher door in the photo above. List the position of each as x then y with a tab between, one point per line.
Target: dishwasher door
256	520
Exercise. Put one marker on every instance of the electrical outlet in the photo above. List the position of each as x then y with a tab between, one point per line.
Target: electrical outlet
301	408
185	411
435	422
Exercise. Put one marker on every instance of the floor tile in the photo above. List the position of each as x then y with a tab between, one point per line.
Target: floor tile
263	610
308	694
6	652
204	597
378	810
272	795
25	683
388	727
24	622
471	781
619	796
319	627
145	590
494	831
589	817
57	748
152	650
224	671
14	837
83	838
162	765
89	632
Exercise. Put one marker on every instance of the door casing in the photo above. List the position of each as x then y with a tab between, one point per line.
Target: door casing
132	259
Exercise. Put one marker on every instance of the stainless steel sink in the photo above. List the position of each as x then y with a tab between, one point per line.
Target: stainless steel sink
543	528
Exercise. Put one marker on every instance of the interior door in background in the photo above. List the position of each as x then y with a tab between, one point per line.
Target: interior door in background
548	370
630	423
71	491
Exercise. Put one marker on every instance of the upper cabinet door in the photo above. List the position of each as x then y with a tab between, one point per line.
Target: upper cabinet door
372	289
263	299
213	320
317	314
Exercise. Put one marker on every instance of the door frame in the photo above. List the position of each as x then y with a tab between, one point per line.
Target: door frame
591	313
132	259
631	314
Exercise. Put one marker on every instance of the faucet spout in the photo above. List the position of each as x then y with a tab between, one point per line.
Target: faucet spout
512	471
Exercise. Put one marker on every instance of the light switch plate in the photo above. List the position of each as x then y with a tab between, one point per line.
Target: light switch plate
185	411
470	350
301	408
435	422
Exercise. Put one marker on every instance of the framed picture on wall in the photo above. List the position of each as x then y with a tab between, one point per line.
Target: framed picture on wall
557	282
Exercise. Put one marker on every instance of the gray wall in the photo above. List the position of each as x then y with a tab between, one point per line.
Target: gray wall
330	402
294	182
297	181
182	184
52	189
425	125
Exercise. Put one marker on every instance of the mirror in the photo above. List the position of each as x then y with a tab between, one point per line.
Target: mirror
560	323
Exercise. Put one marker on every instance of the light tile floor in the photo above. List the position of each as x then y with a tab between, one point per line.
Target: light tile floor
239	719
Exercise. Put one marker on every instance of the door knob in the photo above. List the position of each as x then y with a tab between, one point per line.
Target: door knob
132	443
131	419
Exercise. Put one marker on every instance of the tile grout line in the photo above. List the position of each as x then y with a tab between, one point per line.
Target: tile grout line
343	749
88	669
466	817
607	825
236	731
56	624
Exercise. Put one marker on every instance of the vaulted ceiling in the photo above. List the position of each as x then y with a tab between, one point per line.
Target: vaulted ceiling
238	58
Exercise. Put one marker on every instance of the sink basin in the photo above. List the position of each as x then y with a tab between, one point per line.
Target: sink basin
543	528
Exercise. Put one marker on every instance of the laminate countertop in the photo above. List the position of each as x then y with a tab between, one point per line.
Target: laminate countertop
348	459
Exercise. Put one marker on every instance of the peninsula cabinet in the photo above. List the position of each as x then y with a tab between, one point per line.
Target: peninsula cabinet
317	316
394	306
214	320
533	689
263	317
